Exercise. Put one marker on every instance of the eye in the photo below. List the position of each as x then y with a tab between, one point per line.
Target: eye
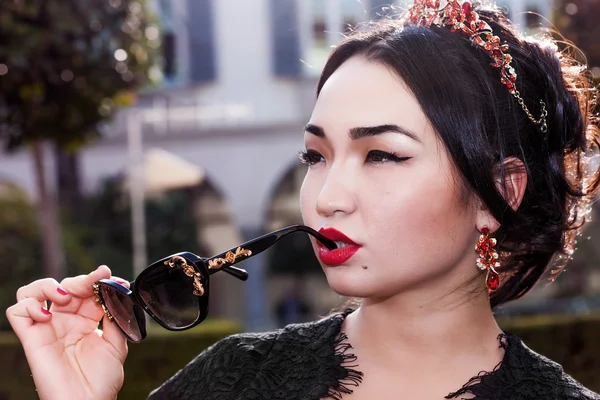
379	157
310	157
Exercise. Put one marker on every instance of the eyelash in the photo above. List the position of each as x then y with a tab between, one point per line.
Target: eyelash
309	157
312	157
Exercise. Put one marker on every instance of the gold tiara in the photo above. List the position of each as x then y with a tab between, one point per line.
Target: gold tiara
460	18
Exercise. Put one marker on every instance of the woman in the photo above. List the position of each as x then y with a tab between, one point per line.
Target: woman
432	134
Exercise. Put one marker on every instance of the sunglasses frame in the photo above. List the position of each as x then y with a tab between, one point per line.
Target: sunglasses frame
200	271
115	286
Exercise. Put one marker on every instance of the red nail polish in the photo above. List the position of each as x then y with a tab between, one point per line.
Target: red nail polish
45	311
62	291
121	281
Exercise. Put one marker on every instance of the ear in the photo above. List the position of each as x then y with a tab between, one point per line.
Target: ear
515	182
512	188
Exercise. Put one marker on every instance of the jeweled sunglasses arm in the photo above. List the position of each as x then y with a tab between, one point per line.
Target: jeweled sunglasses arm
236	272
258	245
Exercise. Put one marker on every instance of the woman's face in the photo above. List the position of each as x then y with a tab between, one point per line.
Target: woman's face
380	175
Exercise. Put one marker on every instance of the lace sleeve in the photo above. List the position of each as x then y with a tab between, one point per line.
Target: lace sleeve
222	371
307	361
524	375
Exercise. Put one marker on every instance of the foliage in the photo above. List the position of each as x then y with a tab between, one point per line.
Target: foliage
572	342
106	228
148	364
20	245
67	64
574	281
577	21
104	237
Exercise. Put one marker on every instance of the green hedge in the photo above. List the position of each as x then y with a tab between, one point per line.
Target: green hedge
148	364
572	342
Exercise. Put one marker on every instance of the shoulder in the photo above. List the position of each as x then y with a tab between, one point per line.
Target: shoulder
524	374
299	356
220	368
544	377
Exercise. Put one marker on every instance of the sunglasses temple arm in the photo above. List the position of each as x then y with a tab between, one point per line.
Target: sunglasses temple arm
236	272
258	245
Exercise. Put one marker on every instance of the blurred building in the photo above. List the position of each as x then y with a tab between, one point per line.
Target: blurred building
238	86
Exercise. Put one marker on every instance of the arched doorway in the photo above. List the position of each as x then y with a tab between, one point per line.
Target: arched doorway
183	211
216	232
200	219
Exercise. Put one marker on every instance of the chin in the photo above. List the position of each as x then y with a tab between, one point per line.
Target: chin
353	281
350	281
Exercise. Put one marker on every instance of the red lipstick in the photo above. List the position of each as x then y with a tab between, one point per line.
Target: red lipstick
341	254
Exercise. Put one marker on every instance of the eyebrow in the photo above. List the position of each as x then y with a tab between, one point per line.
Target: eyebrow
364	131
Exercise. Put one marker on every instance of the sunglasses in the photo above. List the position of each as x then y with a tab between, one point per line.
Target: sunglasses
174	290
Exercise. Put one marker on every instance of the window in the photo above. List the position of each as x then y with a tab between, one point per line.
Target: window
168	39
533	18
201	36
324	23
286	41
169	55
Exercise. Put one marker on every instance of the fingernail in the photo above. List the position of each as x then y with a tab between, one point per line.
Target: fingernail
45	311
62	291
121	281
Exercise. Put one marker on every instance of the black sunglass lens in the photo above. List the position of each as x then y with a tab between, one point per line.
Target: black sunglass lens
124	312
169	294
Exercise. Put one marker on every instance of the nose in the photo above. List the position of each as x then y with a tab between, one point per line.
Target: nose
337	194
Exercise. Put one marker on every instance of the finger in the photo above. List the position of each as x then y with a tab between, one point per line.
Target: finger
82	286
25	313
120	281
43	290
113	335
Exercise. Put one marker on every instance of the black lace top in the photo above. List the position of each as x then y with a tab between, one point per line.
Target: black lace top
314	361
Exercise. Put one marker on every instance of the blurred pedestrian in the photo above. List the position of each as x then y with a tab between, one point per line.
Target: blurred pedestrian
291	308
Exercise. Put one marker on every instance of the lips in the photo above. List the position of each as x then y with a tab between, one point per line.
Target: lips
340	255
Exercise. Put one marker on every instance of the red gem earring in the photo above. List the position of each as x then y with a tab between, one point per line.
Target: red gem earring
488	259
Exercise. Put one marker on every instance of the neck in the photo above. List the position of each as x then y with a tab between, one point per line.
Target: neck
400	328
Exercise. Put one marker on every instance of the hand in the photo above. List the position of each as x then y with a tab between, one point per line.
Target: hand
68	356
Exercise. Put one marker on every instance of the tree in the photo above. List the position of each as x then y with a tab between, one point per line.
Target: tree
105	227
64	67
577	21
20	241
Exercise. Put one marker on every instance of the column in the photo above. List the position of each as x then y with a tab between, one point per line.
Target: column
517	9
182	44
305	26
333	21
257	315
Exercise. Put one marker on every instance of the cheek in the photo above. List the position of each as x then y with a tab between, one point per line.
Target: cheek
416	217
308	197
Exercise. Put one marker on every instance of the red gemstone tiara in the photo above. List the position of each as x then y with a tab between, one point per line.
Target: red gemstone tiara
460	18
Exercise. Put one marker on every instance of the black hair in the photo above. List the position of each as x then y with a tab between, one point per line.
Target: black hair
482	125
